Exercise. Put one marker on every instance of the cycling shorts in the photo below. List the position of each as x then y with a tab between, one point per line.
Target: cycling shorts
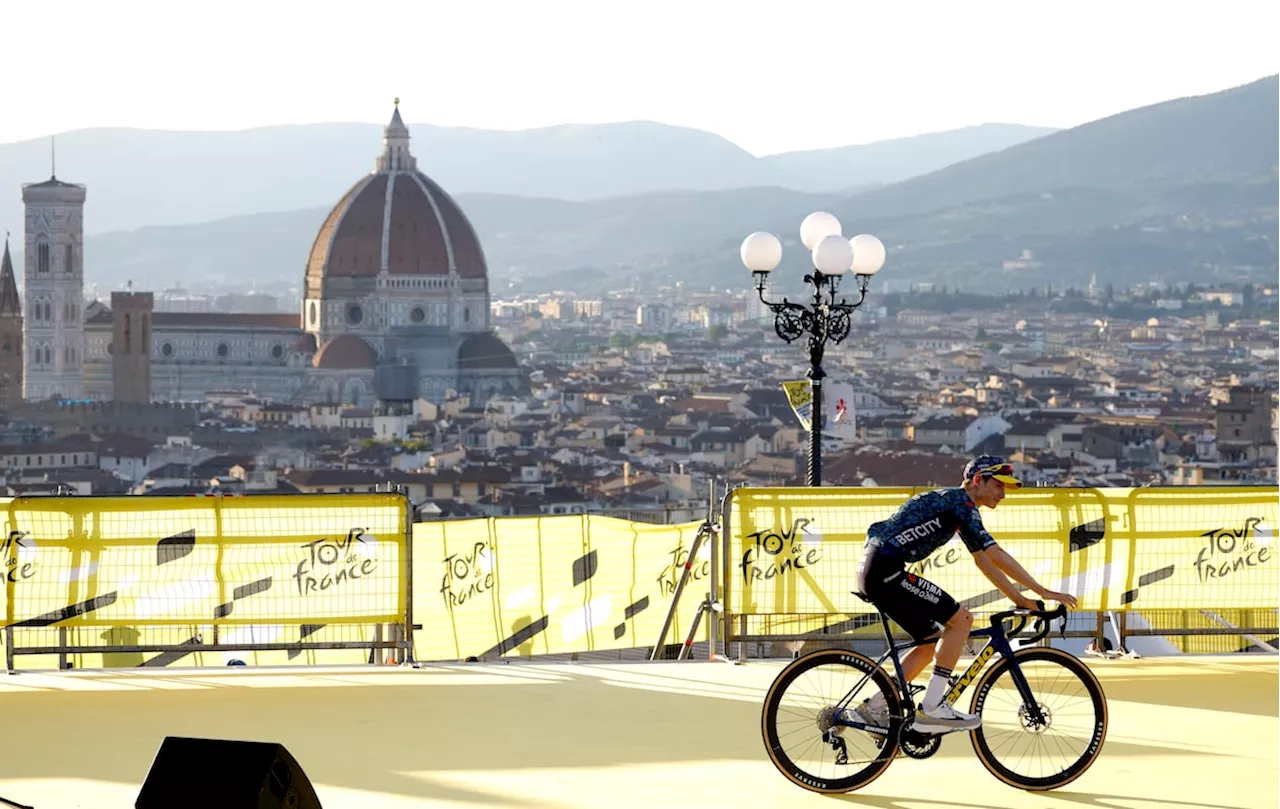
916	604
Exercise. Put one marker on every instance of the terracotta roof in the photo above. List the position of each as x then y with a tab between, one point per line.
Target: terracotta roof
356	477
485	350
204	320
698	405
305	344
53	182
346	351
399	219
111	444
895	469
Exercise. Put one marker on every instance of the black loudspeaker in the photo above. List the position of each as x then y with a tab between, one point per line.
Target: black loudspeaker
222	774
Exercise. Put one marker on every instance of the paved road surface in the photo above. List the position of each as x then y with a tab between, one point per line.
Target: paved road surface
1185	732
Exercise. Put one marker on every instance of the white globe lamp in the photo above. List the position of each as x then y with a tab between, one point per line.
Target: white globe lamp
761	252
833	255
816	226
868	254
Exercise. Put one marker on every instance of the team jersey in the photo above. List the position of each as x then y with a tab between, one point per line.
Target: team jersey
927	521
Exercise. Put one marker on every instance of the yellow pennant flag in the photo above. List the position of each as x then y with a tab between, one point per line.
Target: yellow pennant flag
800	397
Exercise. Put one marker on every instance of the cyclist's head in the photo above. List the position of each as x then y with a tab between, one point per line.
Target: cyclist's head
991	467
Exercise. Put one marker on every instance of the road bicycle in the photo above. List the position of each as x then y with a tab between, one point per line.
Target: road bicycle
1044	715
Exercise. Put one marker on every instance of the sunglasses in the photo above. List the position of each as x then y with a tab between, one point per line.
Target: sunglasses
999	469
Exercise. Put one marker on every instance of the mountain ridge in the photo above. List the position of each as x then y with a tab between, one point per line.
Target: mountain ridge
130	173
1181	189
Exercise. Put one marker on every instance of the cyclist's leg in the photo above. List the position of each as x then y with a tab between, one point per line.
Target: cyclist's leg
918	659
924	610
882	582
954	634
875	577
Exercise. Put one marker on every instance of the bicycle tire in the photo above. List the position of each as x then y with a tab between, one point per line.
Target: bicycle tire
773	700
982	746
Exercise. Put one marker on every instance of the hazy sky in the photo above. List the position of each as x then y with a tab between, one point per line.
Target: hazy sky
770	76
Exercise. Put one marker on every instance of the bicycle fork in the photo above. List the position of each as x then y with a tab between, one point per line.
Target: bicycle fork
1034	716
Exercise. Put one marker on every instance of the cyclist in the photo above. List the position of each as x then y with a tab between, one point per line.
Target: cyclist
925	611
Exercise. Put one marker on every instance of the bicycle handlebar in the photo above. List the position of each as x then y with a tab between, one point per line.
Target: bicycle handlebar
1017	629
1042	615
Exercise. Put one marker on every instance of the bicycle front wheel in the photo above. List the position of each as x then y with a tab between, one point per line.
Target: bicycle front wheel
1052	754
804	738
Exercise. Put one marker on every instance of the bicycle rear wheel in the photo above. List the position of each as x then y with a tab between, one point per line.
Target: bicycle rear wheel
1053	754
798	711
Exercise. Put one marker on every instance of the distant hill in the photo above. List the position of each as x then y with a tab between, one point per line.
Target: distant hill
138	178
1172	190
1180	191
521	236
890	161
1228	134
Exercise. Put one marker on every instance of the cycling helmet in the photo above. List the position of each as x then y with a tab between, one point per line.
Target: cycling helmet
992	466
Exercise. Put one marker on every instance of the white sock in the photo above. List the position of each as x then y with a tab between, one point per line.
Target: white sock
878	702
937	688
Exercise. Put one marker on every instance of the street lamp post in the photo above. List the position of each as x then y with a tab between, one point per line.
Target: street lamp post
826	319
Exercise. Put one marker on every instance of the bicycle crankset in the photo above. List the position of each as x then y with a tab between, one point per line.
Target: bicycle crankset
916	744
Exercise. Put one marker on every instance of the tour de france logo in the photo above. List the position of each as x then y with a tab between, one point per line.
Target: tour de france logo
776	552
329	564
18	552
699	569
1226	552
468	574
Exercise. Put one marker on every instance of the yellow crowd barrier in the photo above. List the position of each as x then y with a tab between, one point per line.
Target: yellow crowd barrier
549	585
125	581
106	578
792	553
287	571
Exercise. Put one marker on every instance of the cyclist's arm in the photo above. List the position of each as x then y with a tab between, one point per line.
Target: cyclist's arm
997	577
987	555
1001	560
1006	564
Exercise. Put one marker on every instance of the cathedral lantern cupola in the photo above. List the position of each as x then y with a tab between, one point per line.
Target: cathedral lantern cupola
396	251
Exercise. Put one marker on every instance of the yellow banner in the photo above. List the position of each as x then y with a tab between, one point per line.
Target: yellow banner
548	585
190	570
320	568
185	572
794	551
800	397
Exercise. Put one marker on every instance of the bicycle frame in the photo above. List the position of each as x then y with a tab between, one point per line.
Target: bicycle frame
998	643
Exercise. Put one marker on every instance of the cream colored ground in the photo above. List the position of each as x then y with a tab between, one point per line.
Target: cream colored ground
1185	732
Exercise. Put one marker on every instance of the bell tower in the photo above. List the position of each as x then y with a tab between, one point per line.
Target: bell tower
53	329
131	341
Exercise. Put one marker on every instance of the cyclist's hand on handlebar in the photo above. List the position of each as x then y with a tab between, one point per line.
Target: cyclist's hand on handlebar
1066	599
1025	603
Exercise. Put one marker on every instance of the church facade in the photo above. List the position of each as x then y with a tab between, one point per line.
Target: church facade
395	306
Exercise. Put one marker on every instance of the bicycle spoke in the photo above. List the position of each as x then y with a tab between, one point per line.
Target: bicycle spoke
799	726
1040	756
